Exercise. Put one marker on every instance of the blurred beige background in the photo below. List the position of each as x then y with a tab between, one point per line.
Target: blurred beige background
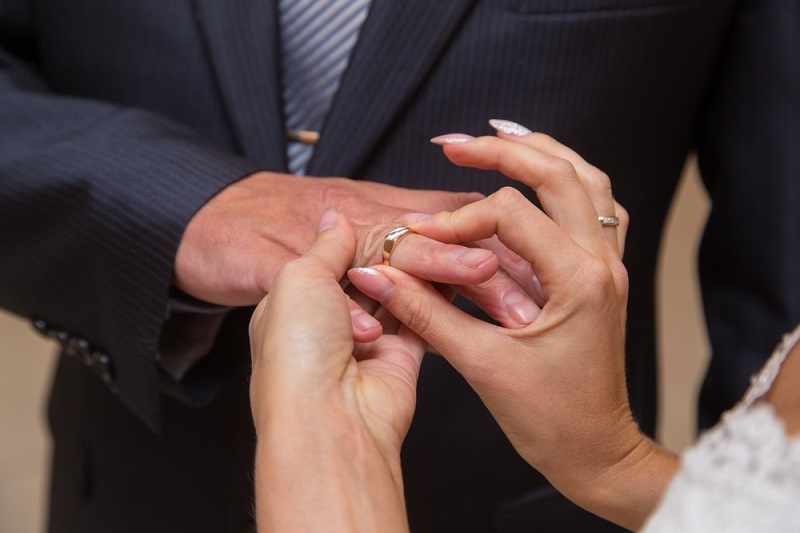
26	362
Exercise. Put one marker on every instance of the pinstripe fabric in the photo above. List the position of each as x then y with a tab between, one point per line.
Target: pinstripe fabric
317	37
398	49
242	44
106	231
628	83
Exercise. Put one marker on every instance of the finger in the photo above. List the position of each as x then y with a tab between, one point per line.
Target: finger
363	301
399	355
503	299
413	349
326	258
379	315
518	224
596	182
622	229
366	328
378	318
416	349
423	310
515	267
426	258
333	249
473	272
554	179
306	315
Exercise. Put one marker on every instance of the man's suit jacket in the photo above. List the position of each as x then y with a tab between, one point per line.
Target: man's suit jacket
118	120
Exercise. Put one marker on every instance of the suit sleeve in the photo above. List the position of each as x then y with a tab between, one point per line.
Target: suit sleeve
749	155
93	204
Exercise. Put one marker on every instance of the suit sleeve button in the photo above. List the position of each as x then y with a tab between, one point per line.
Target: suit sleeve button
103	366
41	326
80	349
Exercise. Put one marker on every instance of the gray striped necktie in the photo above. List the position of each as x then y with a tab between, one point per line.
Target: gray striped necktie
317	37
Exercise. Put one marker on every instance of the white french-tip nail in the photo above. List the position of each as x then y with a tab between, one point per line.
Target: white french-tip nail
366	271
508	127
372	283
452	138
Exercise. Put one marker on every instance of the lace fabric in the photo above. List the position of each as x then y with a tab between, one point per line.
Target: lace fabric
741	475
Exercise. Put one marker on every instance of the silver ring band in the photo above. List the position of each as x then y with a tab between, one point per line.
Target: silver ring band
608	221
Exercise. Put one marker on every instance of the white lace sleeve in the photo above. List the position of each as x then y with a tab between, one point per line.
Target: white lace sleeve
742	475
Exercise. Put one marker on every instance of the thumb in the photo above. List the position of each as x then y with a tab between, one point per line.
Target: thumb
335	245
305	294
425	311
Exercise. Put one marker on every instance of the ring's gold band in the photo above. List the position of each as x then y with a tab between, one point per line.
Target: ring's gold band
391	240
609	221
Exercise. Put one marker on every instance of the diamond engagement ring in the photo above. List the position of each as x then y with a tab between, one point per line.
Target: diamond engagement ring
608	221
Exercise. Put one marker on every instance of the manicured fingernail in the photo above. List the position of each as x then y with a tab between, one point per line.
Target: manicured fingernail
363	321
508	127
520	307
412	217
327	220
472	257
452	138
372	283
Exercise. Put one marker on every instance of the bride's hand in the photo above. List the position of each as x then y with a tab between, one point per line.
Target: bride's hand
330	413
557	386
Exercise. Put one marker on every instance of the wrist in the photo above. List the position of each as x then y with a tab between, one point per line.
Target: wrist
319	470
627	488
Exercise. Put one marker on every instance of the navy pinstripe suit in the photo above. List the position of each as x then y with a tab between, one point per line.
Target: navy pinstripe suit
118	120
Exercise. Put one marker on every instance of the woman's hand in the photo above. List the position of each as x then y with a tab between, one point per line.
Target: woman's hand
330	414
557	386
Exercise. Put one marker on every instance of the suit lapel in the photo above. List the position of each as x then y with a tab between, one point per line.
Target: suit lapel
242	39
397	46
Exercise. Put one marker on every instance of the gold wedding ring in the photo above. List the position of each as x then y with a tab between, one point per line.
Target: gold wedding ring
608	221
391	240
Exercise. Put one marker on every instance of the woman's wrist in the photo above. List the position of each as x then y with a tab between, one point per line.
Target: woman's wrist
322	469
626	489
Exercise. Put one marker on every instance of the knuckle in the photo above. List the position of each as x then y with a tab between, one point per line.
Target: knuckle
598	179
335	192
508	197
509	202
417	316
563	169
598	281
370	245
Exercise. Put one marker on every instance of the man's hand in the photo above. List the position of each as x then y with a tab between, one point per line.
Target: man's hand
235	244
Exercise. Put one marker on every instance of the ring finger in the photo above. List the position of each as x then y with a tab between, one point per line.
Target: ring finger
596	182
